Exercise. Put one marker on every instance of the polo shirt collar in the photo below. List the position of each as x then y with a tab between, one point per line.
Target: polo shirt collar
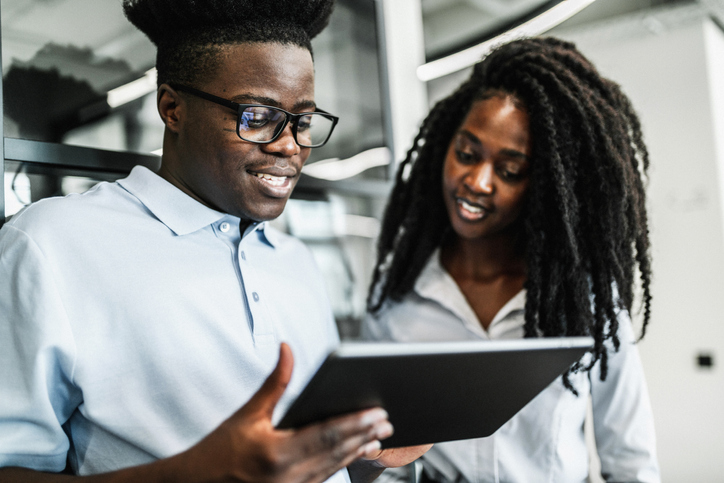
265	232
178	211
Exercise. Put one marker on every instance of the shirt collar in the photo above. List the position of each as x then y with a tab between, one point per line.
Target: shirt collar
436	284
266	232
178	211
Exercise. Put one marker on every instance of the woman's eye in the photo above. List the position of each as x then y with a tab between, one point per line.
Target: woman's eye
464	156
511	175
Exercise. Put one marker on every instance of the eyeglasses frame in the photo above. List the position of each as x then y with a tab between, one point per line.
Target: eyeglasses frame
239	108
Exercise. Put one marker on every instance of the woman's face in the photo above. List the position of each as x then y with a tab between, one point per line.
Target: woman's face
486	170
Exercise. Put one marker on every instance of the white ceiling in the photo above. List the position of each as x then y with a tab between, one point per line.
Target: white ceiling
450	23
28	25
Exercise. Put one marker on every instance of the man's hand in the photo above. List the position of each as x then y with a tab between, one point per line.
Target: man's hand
247	447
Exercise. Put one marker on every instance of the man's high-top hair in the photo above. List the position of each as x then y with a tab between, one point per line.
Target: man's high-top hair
190	34
584	226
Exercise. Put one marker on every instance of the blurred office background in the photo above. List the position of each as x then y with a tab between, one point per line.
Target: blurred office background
79	107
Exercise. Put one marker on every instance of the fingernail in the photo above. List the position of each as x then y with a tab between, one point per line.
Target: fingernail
371	449
374	416
384	430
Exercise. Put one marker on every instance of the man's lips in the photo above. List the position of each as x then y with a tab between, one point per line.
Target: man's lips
277	182
271	179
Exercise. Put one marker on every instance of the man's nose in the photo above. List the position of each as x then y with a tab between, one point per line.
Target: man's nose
284	145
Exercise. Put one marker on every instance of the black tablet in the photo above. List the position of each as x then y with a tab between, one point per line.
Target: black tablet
435	392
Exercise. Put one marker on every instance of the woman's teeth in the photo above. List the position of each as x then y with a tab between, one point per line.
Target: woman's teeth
470	208
274	180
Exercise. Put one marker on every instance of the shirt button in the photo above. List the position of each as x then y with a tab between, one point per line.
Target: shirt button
255	296
224	227
243	255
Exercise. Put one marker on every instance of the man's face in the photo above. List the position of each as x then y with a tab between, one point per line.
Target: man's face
211	163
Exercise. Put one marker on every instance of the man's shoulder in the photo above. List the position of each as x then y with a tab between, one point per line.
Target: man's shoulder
71	212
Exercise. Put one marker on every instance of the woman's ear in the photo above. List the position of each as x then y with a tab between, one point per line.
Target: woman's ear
170	107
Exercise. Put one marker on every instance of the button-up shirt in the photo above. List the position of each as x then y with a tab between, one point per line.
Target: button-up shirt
544	442
134	320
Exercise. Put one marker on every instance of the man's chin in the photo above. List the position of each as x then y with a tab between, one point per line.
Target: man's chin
258	216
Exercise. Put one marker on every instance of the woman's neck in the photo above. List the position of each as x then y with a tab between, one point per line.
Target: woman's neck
488	272
483	259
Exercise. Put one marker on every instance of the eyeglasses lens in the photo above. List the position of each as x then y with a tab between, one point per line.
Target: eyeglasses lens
261	124
313	130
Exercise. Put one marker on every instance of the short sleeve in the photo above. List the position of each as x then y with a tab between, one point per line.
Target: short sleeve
622	414
37	356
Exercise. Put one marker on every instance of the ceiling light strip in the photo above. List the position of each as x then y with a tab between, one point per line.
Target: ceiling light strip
133	90
535	26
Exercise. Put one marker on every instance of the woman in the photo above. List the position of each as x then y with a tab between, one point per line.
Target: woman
520	212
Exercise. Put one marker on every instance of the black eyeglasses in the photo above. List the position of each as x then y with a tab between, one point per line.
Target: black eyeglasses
261	124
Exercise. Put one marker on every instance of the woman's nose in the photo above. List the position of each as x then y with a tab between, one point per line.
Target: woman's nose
480	178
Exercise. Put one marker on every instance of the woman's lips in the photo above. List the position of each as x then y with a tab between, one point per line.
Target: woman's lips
470	211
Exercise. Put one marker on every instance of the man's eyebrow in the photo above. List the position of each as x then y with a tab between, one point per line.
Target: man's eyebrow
300	106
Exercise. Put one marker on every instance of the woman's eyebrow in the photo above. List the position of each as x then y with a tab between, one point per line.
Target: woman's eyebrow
470	136
514	153
511	153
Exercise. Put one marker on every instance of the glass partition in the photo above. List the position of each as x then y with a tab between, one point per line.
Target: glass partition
79	107
77	74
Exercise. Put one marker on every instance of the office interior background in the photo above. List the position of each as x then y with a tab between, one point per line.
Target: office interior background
79	108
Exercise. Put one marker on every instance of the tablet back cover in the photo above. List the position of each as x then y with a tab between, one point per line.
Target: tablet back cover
435	392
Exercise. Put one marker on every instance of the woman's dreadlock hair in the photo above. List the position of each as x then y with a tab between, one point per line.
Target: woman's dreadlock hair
585	225
189	34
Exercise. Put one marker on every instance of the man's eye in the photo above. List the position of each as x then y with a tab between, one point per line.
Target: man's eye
254	120
304	123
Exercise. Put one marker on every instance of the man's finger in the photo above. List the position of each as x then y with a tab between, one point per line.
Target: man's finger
268	395
342	433
323	464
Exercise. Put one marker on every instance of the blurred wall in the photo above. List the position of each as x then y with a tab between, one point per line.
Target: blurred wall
672	67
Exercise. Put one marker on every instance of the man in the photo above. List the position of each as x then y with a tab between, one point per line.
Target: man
139	316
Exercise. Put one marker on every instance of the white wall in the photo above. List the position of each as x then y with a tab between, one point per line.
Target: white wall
673	70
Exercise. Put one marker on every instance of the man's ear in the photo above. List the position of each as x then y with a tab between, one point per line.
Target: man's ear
170	106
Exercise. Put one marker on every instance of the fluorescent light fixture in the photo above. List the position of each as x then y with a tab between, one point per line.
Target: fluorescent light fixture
334	169
535	26
133	90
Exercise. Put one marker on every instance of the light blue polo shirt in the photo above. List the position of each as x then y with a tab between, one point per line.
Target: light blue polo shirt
134	320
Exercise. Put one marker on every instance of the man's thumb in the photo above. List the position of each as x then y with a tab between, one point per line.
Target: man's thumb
267	397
